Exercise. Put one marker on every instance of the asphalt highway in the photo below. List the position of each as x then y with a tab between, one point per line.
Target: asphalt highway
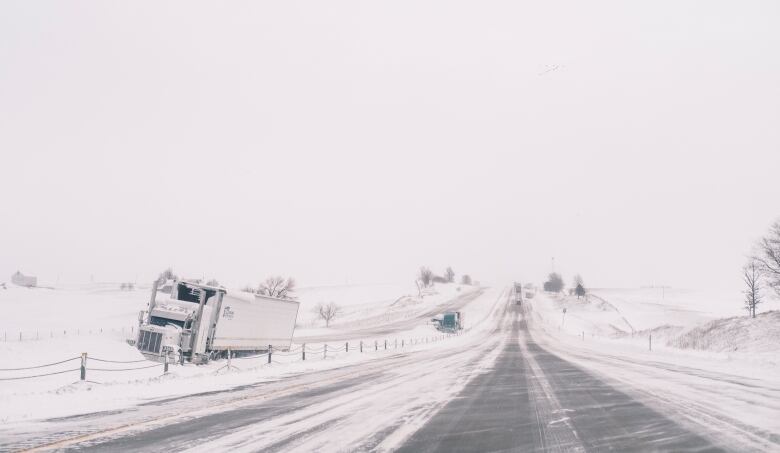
502	393
533	401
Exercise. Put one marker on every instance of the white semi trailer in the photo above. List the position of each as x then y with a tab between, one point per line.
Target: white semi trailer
198	322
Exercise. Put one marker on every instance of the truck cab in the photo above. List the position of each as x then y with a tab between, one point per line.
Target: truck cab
179	325
451	321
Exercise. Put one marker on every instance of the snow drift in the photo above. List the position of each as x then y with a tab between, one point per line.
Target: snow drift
744	334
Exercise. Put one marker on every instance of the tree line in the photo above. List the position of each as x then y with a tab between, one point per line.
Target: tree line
555	284
427	278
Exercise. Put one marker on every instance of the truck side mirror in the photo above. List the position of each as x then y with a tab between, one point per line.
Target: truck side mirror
141	316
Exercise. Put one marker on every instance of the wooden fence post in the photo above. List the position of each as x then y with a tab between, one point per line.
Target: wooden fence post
83	366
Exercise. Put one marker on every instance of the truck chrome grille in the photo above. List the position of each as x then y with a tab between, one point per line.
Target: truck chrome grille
149	341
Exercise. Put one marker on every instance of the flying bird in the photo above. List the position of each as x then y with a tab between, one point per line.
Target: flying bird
550	68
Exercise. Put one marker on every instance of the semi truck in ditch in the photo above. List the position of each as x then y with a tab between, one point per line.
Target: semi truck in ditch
197	322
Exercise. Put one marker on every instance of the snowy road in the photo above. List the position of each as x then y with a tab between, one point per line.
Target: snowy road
357	405
535	401
502	392
387	328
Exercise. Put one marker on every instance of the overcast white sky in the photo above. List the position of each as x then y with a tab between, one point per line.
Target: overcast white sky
355	141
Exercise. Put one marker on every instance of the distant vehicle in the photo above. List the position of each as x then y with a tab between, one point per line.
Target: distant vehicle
451	321
517	293
529	291
199	322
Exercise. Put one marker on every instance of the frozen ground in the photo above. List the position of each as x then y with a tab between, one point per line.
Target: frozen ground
351	399
354	300
527	365
704	321
67	313
649	308
365	307
725	377
498	387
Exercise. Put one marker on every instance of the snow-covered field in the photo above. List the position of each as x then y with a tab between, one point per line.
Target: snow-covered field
76	316
686	319
648	308
40	313
706	366
367	306
354	300
692	373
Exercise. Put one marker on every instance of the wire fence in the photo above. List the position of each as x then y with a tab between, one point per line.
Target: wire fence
39	375
118	361
82	369
300	351
48	334
126	369
46	365
296	353
321	351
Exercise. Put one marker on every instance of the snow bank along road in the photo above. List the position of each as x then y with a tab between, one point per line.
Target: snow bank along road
497	390
390	328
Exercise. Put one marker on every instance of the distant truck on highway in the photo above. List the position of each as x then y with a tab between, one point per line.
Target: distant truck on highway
529	291
451	321
197	322
517	293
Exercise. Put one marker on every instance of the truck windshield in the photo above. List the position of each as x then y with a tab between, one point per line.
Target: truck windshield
188	293
162	322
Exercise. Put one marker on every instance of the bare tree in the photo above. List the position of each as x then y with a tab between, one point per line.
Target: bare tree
449	274
425	276
751	274
769	256
554	283
166	275
327	311
466	279
278	287
289	289
213	282
579	286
